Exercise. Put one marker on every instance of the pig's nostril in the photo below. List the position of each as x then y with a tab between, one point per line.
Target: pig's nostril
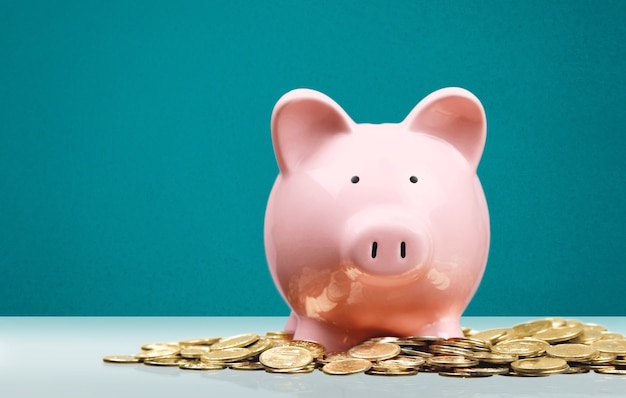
402	249
374	248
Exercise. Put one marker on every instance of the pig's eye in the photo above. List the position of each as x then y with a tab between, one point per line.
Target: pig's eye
354	179
413	179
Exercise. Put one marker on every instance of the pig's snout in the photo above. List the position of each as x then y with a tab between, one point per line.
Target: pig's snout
388	246
402	249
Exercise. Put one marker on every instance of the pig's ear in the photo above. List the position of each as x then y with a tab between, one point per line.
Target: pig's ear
456	116
302	122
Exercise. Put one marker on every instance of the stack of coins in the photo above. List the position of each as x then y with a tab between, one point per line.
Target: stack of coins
537	348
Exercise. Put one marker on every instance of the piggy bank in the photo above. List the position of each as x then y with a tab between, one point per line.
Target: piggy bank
376	229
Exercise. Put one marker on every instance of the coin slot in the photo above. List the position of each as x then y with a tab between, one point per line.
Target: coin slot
374	248
403	250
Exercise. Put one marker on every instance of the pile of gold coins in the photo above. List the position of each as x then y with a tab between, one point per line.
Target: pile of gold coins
536	348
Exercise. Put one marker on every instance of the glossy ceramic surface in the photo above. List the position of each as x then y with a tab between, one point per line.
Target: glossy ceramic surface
377	229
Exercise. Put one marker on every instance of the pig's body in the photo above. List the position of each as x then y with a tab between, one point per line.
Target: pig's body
376	230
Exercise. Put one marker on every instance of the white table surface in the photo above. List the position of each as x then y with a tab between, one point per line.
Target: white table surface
62	357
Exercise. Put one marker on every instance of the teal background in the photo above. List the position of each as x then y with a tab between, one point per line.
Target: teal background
136	160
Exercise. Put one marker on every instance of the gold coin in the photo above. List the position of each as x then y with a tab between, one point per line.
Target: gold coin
468	331
238	341
374	351
558	334
199	365
412	352
121	359
461	374
576	370
316	349
522	347
572	352
261	345
611	336
166	352
530	328
225	355
611	370
279	335
391	364
538	374
484	371
588	335
595	326
404	342
557	322
163	361
449	350
392	372
490	357
194	351
467	343
425	339
160	346
391	339
541	365
491	336
199	341
333	356
286	357
621	361
347	366
451	361
603	358
617	347
246	365
304	369
402	362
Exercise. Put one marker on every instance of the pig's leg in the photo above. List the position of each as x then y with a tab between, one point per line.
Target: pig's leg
331	337
292	323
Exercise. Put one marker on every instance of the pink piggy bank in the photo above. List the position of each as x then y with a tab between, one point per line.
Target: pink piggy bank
377	230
